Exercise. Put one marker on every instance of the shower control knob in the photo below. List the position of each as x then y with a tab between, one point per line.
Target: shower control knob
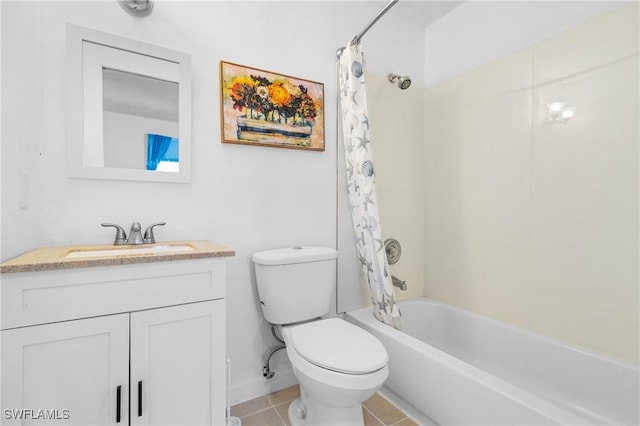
393	250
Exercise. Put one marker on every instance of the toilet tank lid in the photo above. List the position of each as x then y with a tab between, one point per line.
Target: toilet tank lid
298	254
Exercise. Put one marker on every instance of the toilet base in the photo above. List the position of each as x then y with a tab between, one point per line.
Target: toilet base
305	411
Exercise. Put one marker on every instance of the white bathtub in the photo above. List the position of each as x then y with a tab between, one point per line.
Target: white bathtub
460	368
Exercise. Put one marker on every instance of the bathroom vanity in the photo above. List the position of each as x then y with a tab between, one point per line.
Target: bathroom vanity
103	335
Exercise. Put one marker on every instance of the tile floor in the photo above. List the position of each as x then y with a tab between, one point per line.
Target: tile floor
271	410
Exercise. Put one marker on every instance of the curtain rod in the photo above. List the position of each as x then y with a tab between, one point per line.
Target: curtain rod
356	39
363	31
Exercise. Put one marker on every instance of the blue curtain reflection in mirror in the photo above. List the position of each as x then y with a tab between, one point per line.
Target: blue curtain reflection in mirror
162	153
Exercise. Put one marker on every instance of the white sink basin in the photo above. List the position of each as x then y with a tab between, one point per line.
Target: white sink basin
127	251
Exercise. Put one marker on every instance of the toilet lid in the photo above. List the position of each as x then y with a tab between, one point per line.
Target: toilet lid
339	346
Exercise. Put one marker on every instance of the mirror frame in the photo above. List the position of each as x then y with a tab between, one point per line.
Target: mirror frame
76	37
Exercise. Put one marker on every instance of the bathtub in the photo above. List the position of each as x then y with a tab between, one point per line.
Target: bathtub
460	368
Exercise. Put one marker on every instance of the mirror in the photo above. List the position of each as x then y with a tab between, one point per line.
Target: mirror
128	109
137	113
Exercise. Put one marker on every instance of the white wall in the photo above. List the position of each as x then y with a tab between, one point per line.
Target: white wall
20	110
248	198
536	223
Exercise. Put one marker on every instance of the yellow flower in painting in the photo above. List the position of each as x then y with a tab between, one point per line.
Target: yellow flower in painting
280	96
243	79
239	85
293	90
241	89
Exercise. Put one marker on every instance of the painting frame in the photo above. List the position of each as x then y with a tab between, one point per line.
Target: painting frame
267	108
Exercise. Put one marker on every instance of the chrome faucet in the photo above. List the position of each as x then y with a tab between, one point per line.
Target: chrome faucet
121	237
149	238
135	234
397	282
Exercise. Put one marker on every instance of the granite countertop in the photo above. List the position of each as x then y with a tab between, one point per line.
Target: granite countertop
71	257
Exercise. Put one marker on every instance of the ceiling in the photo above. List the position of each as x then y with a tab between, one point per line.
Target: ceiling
421	12
143	96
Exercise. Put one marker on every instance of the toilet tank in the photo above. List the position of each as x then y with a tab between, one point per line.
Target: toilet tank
295	284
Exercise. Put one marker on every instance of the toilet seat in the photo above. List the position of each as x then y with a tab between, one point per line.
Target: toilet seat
329	397
336	345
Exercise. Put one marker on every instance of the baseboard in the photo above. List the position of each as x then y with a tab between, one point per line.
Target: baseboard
260	387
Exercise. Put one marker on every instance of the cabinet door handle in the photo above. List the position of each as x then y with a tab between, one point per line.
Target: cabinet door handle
140	398
118	402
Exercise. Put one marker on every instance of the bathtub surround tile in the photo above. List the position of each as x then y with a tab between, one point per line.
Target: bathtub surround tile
534	223
596	43
593	266
585	217
397	132
508	74
402	216
510	306
395	118
478	184
606	333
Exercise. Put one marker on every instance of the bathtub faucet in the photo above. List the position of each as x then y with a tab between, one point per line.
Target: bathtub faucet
397	282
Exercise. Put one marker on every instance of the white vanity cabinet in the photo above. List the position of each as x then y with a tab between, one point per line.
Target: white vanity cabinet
78	366
138	344
178	365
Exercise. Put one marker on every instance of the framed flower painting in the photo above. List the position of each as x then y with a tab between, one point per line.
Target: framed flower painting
264	108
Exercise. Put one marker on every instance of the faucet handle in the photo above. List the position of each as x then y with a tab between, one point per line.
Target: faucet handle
149	238
121	237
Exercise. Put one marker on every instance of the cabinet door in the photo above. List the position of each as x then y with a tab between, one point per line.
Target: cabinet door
178	365
67	373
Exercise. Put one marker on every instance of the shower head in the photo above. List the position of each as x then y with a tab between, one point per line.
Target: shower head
403	81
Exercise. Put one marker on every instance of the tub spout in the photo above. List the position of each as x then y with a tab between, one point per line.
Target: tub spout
397	282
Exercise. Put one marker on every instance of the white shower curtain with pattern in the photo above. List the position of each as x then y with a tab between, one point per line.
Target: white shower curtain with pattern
361	186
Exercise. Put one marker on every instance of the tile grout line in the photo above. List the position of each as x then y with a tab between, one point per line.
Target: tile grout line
280	417
394	405
374	416
256	412
402	420
392	424
271	405
276	410
274	407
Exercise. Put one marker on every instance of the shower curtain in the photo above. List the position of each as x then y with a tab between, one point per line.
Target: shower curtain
361	186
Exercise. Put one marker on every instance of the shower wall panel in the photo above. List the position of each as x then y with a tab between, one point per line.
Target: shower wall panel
531	221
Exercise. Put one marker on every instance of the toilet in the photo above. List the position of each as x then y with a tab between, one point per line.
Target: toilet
337	364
